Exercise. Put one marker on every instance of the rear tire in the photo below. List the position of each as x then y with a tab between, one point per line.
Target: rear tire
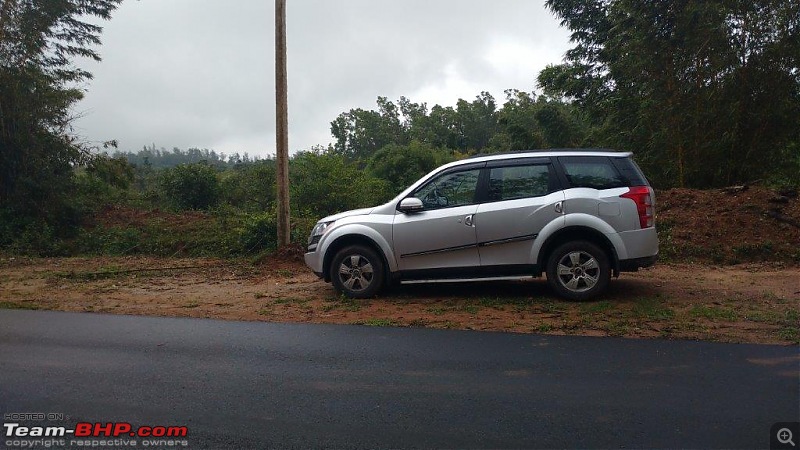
357	271
578	270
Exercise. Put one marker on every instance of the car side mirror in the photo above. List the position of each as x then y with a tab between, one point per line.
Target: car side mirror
410	205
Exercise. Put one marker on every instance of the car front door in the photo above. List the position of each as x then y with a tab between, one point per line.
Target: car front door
522	197
442	234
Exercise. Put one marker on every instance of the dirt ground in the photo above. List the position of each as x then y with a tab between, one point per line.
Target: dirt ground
755	303
729	226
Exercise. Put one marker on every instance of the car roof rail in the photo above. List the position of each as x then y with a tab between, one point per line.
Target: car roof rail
547	150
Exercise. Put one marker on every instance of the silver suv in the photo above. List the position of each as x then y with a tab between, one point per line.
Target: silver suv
580	216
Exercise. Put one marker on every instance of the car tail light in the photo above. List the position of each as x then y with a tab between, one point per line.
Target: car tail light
643	198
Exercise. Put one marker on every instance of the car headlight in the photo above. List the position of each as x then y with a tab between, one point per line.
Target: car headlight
319	229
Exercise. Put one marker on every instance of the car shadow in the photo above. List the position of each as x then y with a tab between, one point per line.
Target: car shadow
537	289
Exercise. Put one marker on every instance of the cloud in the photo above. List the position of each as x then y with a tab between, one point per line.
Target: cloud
200	73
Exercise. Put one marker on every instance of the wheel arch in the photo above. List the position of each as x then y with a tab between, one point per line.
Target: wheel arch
348	240
578	233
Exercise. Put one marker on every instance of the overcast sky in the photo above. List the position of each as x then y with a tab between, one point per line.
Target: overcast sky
200	73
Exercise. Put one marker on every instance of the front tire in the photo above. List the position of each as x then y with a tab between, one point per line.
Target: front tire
578	270
357	272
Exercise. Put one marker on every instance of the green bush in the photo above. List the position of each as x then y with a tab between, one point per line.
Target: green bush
258	233
109	241
191	186
325	183
402	165
249	187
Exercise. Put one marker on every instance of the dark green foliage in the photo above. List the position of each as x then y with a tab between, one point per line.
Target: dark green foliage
361	133
524	122
250	187
402	165
259	232
102	182
326	183
706	93
530	122
191	186
38	40
209	235
159	158
477	122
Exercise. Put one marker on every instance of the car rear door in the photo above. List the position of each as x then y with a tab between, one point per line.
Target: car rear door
523	196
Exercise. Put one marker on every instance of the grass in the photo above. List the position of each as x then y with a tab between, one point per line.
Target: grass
15	305
286	273
437	310
713	313
762	316
377	322
191	304
754	251
596	307
102	274
652	308
787	317
554	307
418	323
472	309
344	303
617	327
502	302
790	333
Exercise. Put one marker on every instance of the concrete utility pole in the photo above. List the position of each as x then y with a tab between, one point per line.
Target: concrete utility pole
282	123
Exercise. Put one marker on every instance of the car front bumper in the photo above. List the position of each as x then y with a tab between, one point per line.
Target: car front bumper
314	262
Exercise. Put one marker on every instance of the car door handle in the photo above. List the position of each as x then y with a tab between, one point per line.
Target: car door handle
559	207
468	221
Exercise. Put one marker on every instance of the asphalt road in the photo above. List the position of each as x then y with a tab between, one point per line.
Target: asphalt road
257	385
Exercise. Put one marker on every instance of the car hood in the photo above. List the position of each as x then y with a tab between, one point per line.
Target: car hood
342	215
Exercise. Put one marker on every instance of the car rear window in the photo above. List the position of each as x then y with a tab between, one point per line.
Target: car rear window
592	172
629	170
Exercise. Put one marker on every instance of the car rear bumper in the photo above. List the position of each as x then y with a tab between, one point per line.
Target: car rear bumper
632	265
638	244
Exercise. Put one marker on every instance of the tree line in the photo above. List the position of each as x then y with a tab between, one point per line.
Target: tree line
160	158
705	94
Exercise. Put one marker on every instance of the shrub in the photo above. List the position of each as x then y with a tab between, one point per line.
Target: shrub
258	233
325	183
191	186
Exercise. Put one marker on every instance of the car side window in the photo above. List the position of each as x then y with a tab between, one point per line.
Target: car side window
449	190
513	182
595	173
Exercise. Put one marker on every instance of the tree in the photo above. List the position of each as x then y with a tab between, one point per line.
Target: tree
706	92
530	122
477	122
402	165
360	133
38	41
